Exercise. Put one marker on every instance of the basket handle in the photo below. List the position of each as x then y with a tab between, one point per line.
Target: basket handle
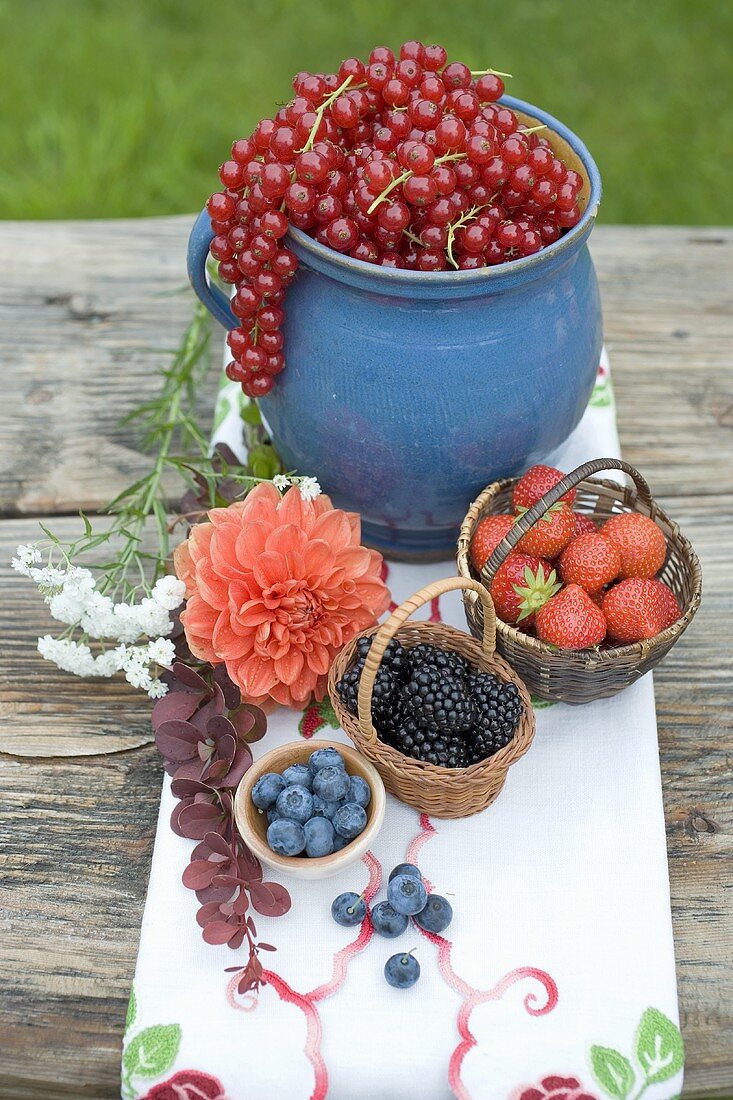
543	505
388	629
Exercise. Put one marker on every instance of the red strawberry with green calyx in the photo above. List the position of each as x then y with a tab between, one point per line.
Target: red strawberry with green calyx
533	485
571	620
548	537
521	585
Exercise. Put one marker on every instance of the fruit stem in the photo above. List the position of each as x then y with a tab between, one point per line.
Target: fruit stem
407	954
457	225
494	72
405	176
534	129
320	112
351	908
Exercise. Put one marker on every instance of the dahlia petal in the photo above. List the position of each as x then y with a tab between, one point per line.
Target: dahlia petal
183	566
261	504
229	644
334	528
257	675
318	557
269	569
253	613
293	509
289	666
211	587
199	540
250	542
285	538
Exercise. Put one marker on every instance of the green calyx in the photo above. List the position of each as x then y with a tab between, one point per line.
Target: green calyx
536	590
547	518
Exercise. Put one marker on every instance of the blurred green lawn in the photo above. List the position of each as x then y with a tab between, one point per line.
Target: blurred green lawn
120	109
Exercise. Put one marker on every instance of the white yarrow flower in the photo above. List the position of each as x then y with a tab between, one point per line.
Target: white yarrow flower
281	482
169	592
162	651
309	488
26	555
157	689
139	677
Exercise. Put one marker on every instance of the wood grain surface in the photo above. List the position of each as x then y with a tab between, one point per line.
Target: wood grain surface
88	312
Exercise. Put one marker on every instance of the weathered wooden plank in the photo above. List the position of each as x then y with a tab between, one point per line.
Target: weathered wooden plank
88	313
101	294
76	837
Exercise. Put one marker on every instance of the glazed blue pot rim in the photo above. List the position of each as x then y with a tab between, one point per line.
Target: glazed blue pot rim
384	278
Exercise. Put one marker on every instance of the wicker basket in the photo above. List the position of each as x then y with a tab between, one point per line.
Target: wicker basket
584	675
442	792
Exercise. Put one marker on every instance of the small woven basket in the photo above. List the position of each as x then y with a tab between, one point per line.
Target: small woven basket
441	792
583	675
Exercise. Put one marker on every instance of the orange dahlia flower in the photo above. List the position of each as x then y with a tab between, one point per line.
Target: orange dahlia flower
275	586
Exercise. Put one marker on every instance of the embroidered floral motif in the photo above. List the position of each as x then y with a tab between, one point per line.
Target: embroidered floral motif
553	1088
602	396
659	1054
188	1084
315	717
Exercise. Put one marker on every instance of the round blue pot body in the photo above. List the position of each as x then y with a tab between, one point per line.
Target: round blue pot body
405	392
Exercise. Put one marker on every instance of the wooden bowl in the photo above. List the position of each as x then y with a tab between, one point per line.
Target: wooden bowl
252	823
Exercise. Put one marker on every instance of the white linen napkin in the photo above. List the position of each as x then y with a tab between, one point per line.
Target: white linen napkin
555	980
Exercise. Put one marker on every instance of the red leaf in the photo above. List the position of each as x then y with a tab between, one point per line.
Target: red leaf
177	740
198	875
217	771
209	710
197	820
225	880
189	677
220	726
177	705
281	899
218	932
214	893
241	903
239	765
187	788
250	722
177	810
232	694
237	939
265	947
207	913
217	844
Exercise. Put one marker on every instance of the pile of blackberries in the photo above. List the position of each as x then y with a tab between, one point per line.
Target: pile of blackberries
432	705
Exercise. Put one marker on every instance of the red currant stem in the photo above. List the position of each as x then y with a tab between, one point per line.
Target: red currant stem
467	217
411	236
255	332
533	129
321	110
405	176
494	72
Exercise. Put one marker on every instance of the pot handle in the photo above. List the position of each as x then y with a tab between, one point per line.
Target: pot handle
543	505
198	250
388	629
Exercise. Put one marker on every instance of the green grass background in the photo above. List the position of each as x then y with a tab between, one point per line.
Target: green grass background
126	108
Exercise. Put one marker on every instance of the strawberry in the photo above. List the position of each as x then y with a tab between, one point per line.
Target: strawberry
522	584
590	561
638	608
487	537
583	524
571	620
642	544
535	483
549	536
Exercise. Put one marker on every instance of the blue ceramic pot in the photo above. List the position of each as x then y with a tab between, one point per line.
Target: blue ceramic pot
407	392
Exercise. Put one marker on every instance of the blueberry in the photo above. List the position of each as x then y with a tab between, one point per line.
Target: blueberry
319	836
321	808
296	803
405	869
331	783
407	894
266	790
437	914
348	909
402	971
387	921
349	820
273	815
359	791
298	774
325	758
286	837
339	842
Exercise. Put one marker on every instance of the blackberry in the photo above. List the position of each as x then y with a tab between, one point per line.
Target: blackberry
499	709
431	746
389	679
438	700
447	660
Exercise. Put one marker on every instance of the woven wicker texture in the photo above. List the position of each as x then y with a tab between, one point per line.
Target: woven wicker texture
441	792
581	676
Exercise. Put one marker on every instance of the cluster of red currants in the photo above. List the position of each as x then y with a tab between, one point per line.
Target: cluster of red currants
404	161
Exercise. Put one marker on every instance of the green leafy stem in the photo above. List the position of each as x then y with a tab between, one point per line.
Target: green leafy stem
659	1055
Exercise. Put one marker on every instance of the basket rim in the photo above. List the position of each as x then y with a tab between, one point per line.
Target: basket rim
421	768
608	656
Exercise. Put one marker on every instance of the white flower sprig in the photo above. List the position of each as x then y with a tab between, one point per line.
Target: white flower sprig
73	599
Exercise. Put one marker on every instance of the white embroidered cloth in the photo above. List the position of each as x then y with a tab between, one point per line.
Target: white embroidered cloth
555	980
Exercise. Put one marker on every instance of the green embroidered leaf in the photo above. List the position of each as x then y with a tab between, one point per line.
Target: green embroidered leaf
613	1072
659	1048
131	1010
540	704
153	1051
